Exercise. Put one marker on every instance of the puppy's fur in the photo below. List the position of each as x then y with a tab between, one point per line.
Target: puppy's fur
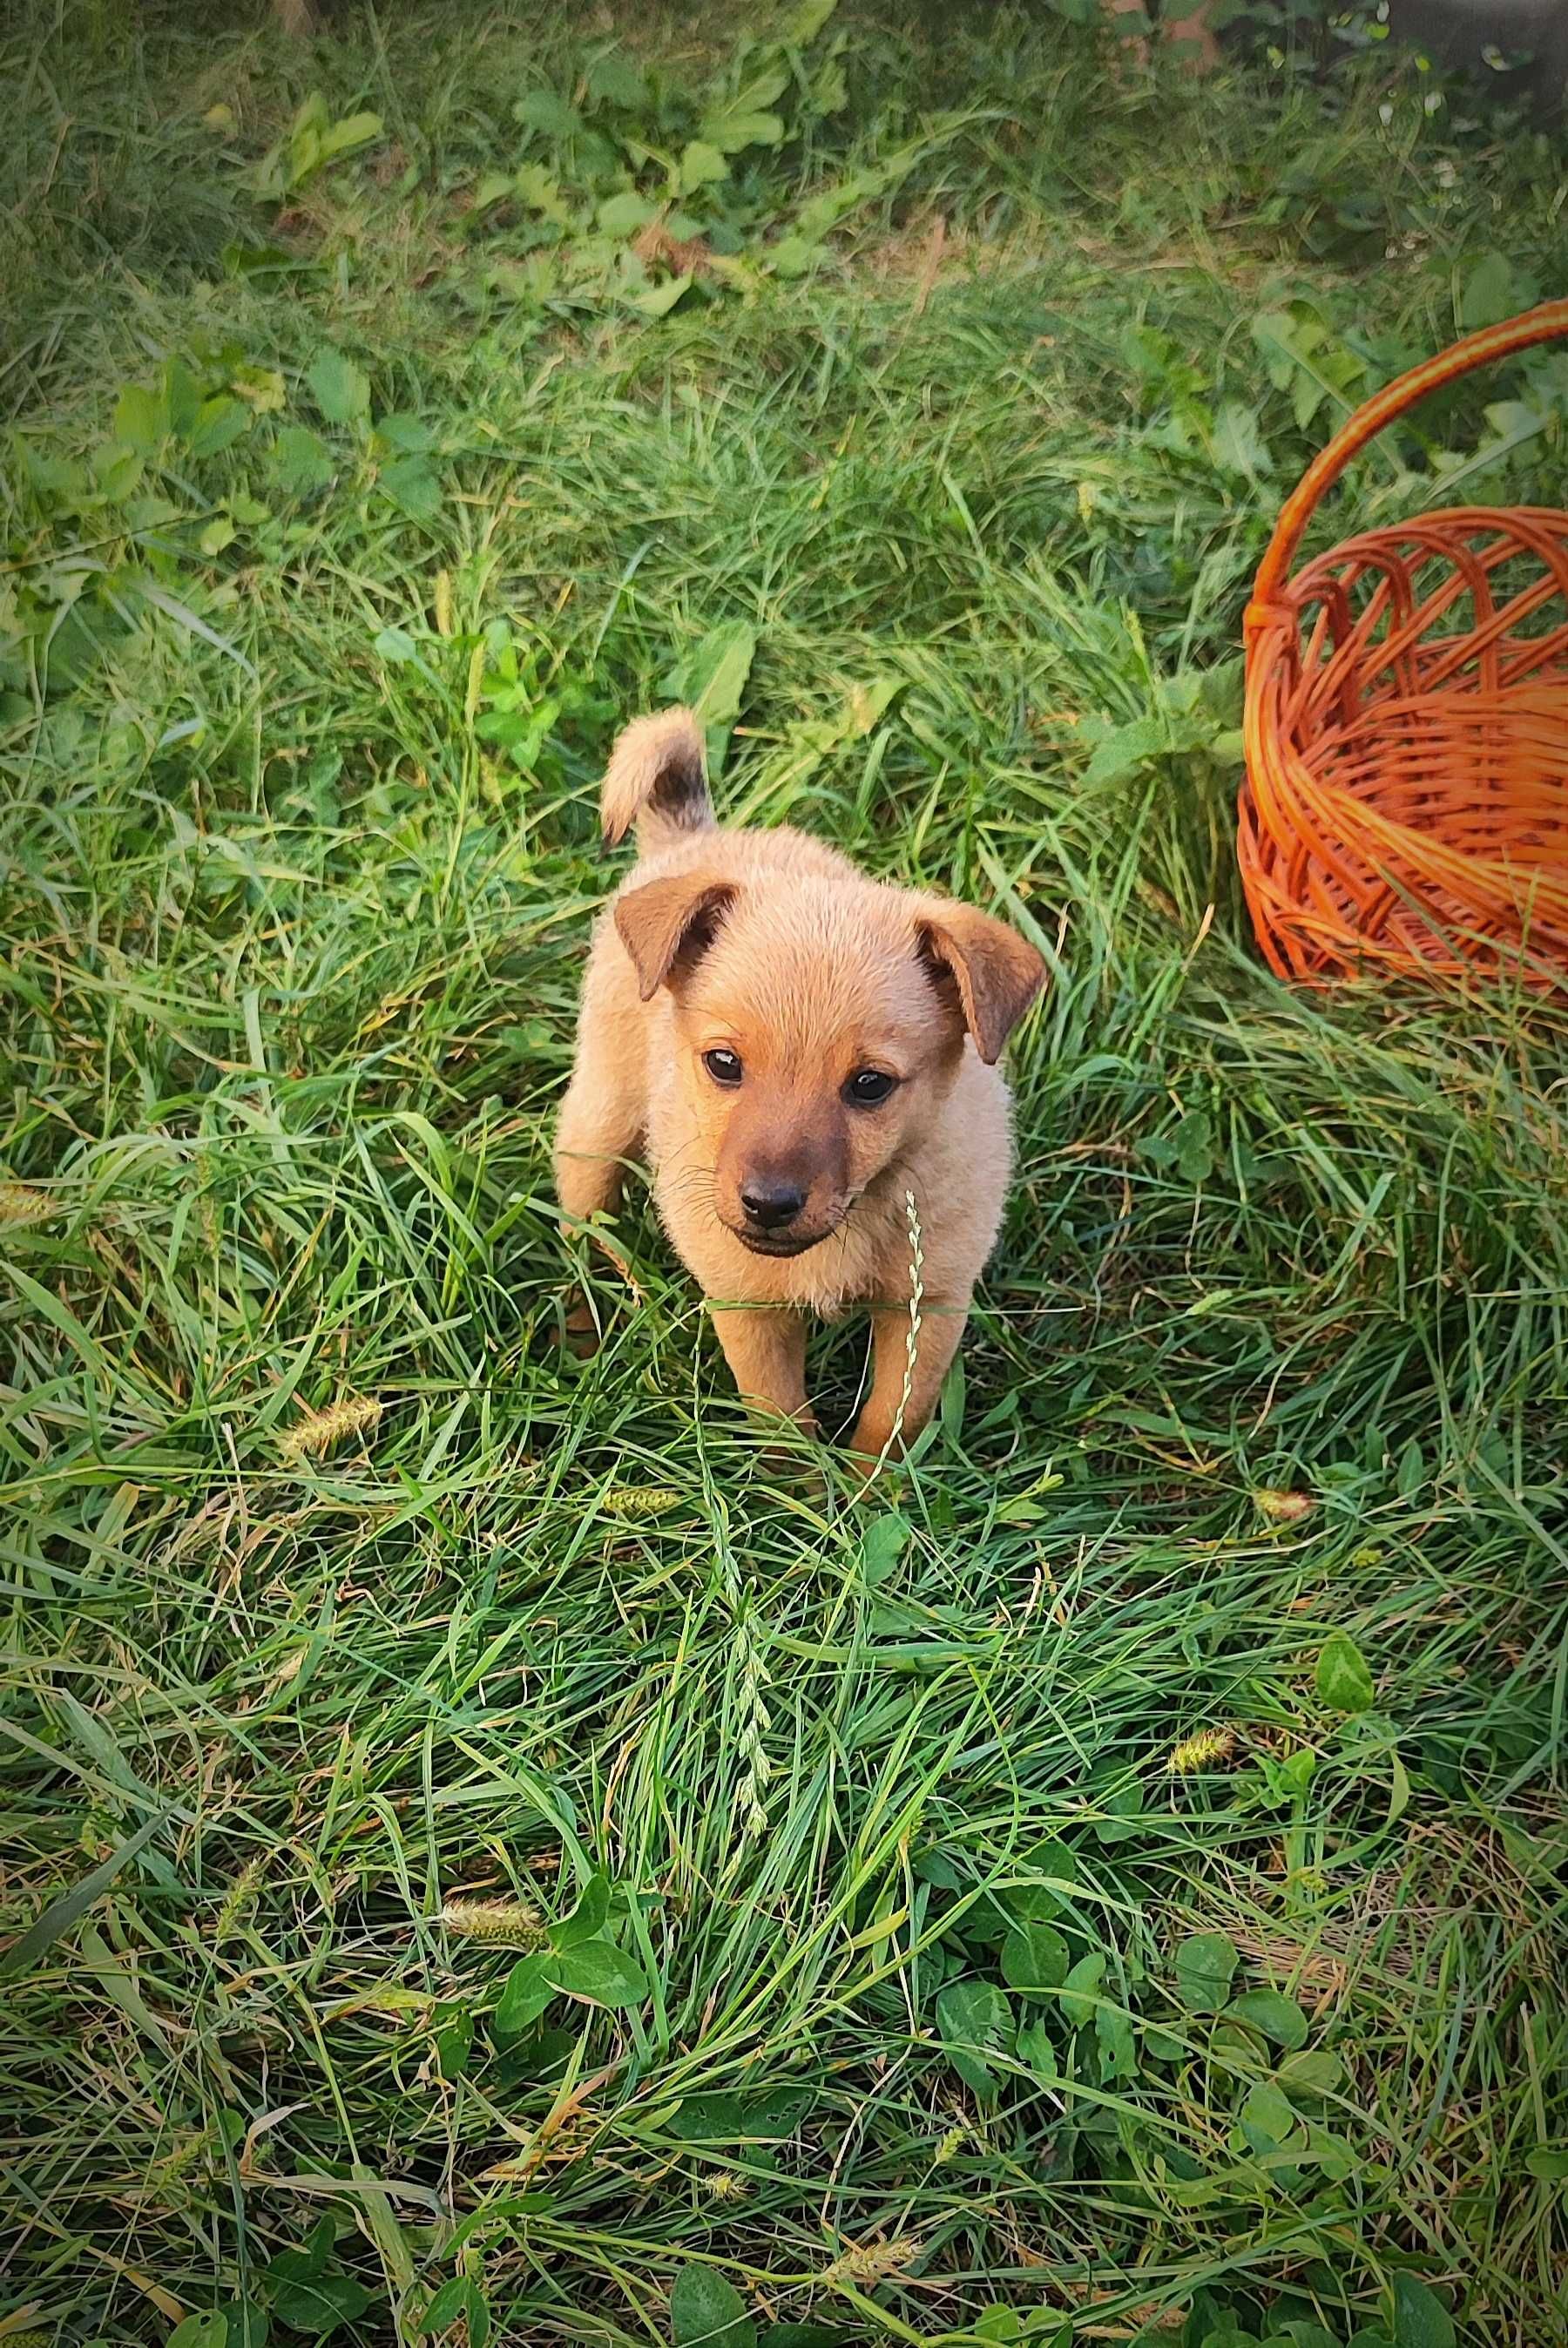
785	1192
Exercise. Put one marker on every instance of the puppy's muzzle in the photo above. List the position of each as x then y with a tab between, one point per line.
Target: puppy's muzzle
772	1210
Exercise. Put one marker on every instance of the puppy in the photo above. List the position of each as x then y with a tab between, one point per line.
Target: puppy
808	1061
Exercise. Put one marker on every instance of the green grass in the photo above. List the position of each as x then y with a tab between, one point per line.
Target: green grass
298	866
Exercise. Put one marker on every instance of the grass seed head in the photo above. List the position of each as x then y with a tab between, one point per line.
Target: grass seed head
1207	1749
320	1431
1284	1508
511	1921
638	1501
21	1203
873	2264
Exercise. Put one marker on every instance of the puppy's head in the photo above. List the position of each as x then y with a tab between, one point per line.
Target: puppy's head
819	1023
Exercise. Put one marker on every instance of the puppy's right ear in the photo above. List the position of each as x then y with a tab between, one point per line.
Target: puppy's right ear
666	925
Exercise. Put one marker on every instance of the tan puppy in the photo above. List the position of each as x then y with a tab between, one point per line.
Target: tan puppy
797	1051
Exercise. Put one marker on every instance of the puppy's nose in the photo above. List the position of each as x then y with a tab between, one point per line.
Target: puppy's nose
769	1206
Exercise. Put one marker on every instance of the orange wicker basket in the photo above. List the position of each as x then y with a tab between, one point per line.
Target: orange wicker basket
1405	801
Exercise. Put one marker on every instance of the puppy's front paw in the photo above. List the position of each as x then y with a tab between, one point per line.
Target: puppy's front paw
872	1452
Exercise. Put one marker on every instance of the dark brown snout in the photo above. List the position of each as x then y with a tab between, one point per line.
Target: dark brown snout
779	1194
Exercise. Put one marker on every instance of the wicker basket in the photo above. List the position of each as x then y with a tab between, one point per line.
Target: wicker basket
1405	802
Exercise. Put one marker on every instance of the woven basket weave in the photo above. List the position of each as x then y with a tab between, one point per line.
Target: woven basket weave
1405	802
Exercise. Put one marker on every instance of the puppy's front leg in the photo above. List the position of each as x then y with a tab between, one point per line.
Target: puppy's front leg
766	1350
907	1380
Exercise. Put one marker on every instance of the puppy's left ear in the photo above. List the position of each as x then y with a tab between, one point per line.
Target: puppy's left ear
667	925
995	974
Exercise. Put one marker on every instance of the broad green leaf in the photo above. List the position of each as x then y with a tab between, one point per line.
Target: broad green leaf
454	2045
613	81
340	390
117	471
262	388
409	435
395	646
300	461
706	2310
1205	1965
624	214
526	1993
1311	2075
1034	1959
1037	2049
249	2325
778	2113
355	130
1081	1990
1118	2047
972	2017
708	2119
792	256
1343	1679
141	419
1239	447
317	2304
1547	2163
657	300
1268	2120
713	678
181	396
598	1971
1124	748
219	424
206	2331
832	204
732	128
701	165
454	2299
411	485
1489	296
588	1918
1037	1903
1420	2319
543	110
1277	2018
306	2295
882	1544
541	192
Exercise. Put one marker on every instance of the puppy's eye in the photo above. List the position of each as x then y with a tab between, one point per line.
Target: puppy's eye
869	1087
724	1067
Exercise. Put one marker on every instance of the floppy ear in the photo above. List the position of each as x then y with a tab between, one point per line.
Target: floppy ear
994	972
666	924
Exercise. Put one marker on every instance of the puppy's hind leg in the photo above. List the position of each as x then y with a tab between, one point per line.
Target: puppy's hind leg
598	1128
601	1117
601	1123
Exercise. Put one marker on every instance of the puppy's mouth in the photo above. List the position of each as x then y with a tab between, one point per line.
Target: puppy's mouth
778	1243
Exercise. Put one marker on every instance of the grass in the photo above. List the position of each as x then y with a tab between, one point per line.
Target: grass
485	1849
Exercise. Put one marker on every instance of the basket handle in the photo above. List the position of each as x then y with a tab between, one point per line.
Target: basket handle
1544	325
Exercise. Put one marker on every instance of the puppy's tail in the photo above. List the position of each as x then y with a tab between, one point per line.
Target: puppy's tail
656	780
